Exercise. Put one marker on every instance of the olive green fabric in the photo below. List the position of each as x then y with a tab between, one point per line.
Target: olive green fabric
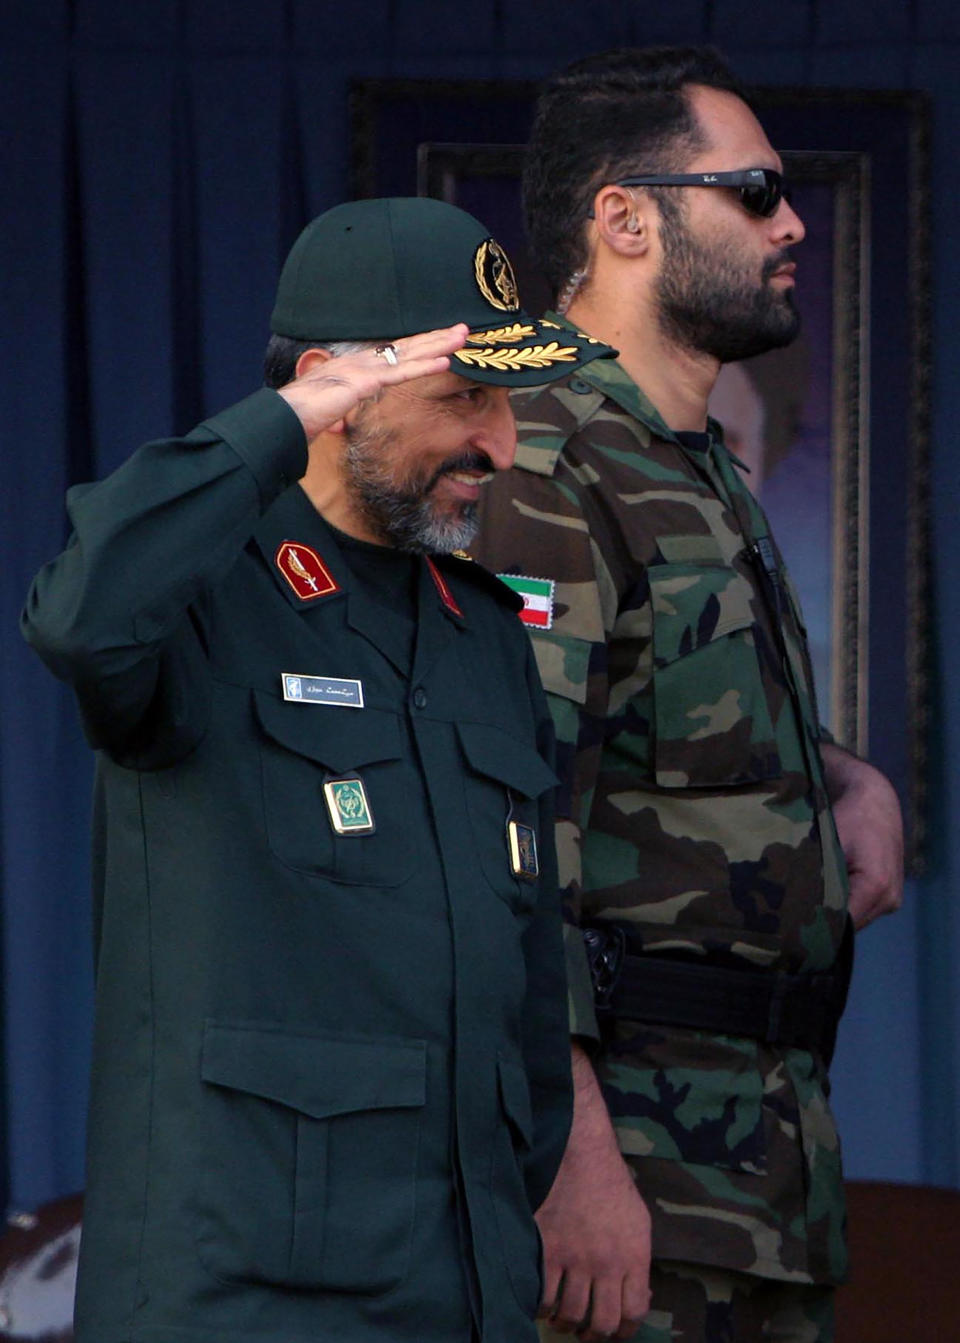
330	1073
692	810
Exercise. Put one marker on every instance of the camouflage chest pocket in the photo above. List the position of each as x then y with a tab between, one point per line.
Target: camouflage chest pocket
713	726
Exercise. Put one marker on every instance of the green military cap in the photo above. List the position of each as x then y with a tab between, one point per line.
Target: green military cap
379	269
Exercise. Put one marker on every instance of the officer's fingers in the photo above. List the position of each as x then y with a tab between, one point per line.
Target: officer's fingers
552	1276
411	357
442	340
573	1303
635	1304
604	1311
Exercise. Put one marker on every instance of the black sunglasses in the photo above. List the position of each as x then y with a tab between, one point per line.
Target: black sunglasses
760	189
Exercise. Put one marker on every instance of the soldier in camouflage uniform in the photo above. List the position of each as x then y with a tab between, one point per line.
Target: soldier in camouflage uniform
699	807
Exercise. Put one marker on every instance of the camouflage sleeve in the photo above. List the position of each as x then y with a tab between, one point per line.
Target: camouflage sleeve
534	525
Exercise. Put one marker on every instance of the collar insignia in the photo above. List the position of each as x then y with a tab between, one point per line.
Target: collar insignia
446	596
495	278
305	571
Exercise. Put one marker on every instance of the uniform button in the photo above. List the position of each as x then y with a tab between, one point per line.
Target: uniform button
420	698
578	385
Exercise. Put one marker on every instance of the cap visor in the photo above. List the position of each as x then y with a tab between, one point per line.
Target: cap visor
526	352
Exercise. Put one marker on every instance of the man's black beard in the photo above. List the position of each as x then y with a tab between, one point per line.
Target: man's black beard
710	303
407	517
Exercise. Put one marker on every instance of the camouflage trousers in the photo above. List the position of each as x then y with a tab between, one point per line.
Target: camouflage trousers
692	1303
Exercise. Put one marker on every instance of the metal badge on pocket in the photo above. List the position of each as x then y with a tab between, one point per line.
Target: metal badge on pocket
522	843
348	807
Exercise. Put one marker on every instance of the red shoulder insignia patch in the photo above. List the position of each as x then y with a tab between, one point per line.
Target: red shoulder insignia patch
305	571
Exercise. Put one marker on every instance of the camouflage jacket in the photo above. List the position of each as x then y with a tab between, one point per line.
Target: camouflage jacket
692	805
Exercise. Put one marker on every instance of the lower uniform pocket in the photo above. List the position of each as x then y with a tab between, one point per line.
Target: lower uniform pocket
309	1162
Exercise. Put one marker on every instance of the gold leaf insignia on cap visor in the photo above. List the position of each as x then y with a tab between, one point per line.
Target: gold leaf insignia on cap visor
515	361
507	334
495	277
555	326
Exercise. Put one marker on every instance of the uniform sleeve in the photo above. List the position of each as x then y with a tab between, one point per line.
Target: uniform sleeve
535	525
120	613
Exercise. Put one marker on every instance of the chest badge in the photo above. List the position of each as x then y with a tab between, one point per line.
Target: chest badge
305	571
321	690
348	807
522	843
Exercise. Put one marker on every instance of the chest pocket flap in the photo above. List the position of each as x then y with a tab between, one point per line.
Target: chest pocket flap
317	1075
712	697
505	778
493	752
303	746
338	737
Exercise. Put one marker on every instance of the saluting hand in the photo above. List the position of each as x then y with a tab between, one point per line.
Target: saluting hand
328	388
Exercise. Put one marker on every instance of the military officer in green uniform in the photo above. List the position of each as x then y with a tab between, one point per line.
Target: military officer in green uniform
331	1078
699	809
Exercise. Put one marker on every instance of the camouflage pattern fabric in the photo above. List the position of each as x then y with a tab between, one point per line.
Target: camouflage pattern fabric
692	806
705	1305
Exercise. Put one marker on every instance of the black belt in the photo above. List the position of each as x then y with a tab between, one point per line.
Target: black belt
799	1011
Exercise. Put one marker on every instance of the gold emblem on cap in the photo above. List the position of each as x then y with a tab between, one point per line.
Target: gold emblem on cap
495	277
517	361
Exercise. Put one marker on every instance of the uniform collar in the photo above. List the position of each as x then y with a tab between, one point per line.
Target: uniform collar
292	521
609	377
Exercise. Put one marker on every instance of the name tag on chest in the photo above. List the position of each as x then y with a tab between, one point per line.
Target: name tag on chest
322	690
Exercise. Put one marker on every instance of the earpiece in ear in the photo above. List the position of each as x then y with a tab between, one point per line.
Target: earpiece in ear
633	224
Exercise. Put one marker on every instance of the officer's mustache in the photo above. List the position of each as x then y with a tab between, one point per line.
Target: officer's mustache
467	461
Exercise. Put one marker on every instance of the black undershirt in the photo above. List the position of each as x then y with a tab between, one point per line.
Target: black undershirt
389	578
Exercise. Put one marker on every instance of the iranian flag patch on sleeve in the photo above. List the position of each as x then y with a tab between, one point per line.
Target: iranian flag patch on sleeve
537	594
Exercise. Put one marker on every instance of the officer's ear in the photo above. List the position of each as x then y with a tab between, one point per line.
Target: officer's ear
622	219
310	361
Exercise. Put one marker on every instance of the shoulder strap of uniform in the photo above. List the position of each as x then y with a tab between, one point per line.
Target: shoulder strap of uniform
547	417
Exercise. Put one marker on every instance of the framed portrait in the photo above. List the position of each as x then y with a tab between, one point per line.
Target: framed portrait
833	428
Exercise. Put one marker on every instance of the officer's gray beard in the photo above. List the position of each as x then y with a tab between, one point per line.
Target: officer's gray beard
712	302
407	516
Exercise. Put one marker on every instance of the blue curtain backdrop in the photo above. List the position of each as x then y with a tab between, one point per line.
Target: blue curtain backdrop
157	159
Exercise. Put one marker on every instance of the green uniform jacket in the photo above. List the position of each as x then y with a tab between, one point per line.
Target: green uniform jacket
331	1073
692	809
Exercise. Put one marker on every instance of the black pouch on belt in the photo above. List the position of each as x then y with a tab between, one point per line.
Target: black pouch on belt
799	1011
